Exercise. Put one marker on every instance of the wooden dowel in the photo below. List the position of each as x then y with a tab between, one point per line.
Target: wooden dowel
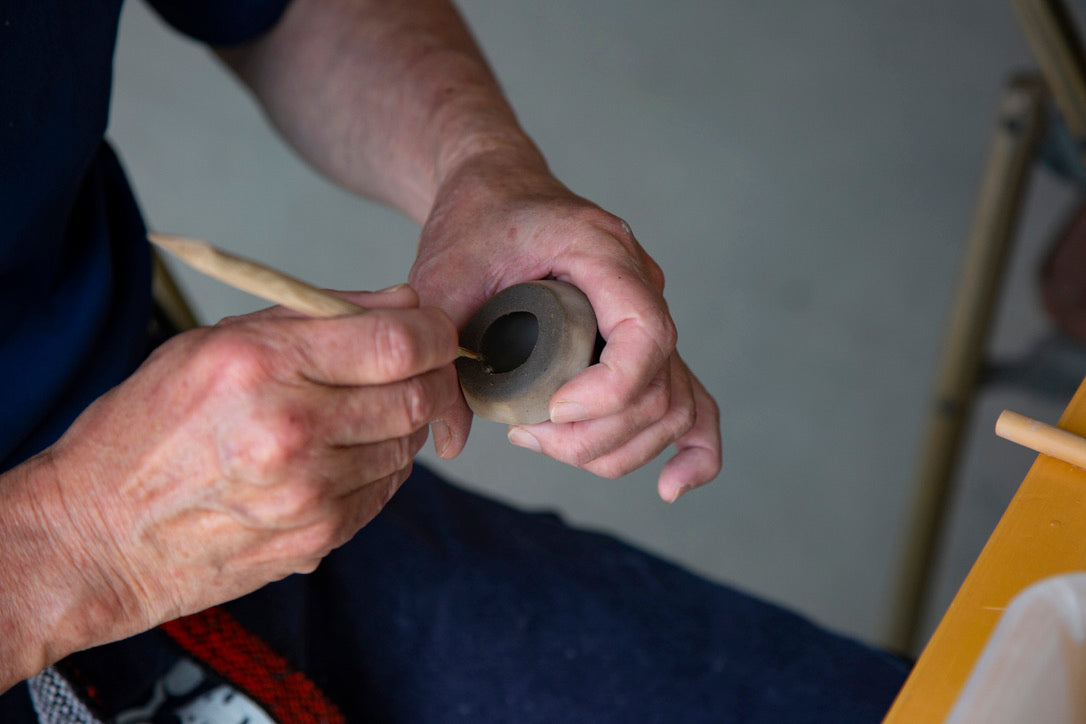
263	281
1042	437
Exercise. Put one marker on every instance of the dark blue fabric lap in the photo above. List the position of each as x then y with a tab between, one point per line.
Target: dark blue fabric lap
452	607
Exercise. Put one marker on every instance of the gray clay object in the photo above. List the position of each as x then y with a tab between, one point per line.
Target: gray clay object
535	337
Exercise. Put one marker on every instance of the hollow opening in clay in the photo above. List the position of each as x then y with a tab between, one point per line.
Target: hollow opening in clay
509	341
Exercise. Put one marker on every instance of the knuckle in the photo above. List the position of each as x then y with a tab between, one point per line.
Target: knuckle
281	507
657	398
274	441
415	403
320	537
403	452
666	334
396	349
610	223
302	500
620	231
609	469
682	421
656	273
288	430
237	359
711	407
444	329
580	454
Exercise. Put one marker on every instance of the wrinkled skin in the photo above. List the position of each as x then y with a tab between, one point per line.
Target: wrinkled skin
235	456
495	225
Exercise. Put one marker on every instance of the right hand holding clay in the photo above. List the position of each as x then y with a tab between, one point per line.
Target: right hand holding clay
235	456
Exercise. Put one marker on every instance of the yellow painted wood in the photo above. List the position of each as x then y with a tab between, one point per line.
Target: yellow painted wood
1041	534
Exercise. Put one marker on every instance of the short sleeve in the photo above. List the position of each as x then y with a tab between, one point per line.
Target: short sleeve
221	22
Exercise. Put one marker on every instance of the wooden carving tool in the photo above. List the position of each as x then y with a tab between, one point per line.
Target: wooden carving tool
1042	437
263	281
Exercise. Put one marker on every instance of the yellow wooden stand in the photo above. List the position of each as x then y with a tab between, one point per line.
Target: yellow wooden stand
1042	533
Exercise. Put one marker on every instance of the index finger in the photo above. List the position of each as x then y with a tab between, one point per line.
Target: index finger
378	347
639	333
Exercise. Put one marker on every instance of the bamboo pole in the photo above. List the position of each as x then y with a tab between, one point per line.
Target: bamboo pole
1058	50
168	296
1017	130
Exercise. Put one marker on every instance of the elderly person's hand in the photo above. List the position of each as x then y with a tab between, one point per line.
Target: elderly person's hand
501	219
394	101
235	456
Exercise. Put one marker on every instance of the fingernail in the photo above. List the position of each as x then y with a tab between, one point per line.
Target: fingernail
568	412
442	437
683	490
522	438
391	290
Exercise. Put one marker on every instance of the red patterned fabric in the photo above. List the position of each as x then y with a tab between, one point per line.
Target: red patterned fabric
218	640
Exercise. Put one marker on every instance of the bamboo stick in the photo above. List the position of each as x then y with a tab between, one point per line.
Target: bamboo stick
1055	43
1018	127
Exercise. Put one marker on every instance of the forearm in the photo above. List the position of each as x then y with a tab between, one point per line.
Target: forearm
49	606
386	98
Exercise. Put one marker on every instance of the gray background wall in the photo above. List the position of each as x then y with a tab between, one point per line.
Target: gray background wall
804	173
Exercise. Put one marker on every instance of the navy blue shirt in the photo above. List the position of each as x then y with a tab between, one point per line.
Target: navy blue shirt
74	263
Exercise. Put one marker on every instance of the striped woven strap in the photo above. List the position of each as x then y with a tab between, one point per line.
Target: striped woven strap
224	645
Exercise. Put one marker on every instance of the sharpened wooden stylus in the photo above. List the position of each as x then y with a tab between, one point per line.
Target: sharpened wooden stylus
263	281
